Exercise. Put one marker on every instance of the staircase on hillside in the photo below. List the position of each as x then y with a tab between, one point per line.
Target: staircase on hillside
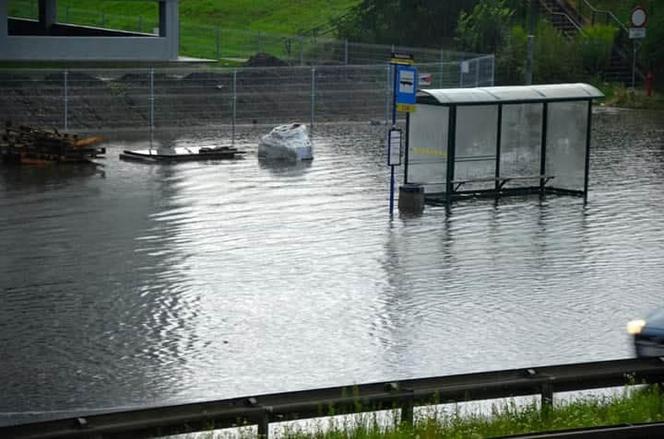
569	21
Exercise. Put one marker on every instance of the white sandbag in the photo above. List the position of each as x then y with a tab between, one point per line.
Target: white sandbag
286	142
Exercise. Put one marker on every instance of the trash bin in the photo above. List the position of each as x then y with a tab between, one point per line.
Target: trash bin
411	198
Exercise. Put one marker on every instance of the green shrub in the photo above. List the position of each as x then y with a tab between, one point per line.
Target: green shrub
595	44
511	57
482	30
556	57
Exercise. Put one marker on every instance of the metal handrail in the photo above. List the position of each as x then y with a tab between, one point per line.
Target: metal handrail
563	14
608	13
403	395
574	23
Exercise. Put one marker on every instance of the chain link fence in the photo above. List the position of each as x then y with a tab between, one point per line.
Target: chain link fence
84	99
310	79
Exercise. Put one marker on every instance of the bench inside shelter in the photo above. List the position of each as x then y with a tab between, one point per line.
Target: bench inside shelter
498	141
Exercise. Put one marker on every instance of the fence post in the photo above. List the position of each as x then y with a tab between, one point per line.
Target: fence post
461	73
407	413
140	23
441	69
301	38
66	98
346	52
66	14
313	98
263	427
234	107
103	18
547	398
493	70
477	72
218	41
151	99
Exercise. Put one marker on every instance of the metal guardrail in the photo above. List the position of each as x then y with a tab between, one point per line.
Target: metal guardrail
404	395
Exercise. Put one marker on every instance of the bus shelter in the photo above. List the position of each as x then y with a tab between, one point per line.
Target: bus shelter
500	140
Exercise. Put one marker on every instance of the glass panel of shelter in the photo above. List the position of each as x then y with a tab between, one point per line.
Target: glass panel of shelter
521	140
567	123
475	152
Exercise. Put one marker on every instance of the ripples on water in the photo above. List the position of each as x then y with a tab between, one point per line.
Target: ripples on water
161	283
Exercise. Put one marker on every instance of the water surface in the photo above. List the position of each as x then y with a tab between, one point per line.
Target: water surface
150	284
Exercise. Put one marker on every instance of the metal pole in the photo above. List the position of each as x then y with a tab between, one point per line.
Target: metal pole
498	140
66	98
532	12
586	170
493	70
440	83
477	72
218	40
234	107
387	94
461	73
301	50
313	98
346	52
394	124
545	127
151	99
634	49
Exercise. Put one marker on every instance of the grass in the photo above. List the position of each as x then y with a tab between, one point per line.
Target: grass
618	95
253	20
631	406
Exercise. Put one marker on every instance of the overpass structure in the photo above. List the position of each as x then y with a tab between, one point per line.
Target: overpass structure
46	39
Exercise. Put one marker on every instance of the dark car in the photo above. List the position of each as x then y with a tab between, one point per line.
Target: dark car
648	334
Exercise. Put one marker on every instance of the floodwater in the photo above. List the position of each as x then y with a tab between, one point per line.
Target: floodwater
151	284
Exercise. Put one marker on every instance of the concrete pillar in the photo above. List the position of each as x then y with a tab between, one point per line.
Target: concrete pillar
169	26
3	21
48	13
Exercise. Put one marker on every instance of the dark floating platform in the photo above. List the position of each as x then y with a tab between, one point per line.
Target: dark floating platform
183	154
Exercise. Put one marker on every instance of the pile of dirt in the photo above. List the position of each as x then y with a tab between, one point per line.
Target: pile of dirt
265	60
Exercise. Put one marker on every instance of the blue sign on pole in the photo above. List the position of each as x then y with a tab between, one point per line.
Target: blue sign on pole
406	88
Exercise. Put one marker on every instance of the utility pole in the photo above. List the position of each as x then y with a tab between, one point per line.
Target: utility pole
532	20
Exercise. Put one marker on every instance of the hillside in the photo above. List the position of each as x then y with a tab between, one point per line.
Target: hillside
200	19
279	16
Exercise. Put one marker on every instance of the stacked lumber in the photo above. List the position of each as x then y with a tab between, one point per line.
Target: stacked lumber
27	145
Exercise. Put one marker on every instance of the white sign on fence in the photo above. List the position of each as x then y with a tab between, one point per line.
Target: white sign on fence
636	33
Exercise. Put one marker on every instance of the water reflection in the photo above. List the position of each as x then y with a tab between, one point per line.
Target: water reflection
89	310
286	169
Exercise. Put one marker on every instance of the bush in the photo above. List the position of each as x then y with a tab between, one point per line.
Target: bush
595	44
556	57
511	57
482	29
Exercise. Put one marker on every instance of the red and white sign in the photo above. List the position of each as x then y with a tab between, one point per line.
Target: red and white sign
639	17
425	79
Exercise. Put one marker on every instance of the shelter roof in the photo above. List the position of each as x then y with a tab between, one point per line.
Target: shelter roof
511	94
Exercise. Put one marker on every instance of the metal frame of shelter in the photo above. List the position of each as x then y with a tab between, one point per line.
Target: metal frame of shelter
445	143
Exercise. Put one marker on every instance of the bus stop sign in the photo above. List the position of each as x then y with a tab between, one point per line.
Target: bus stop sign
406	88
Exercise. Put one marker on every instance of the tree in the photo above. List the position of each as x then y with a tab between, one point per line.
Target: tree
484	28
422	23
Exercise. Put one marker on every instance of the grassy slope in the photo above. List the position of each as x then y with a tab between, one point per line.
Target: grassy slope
197	17
281	16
